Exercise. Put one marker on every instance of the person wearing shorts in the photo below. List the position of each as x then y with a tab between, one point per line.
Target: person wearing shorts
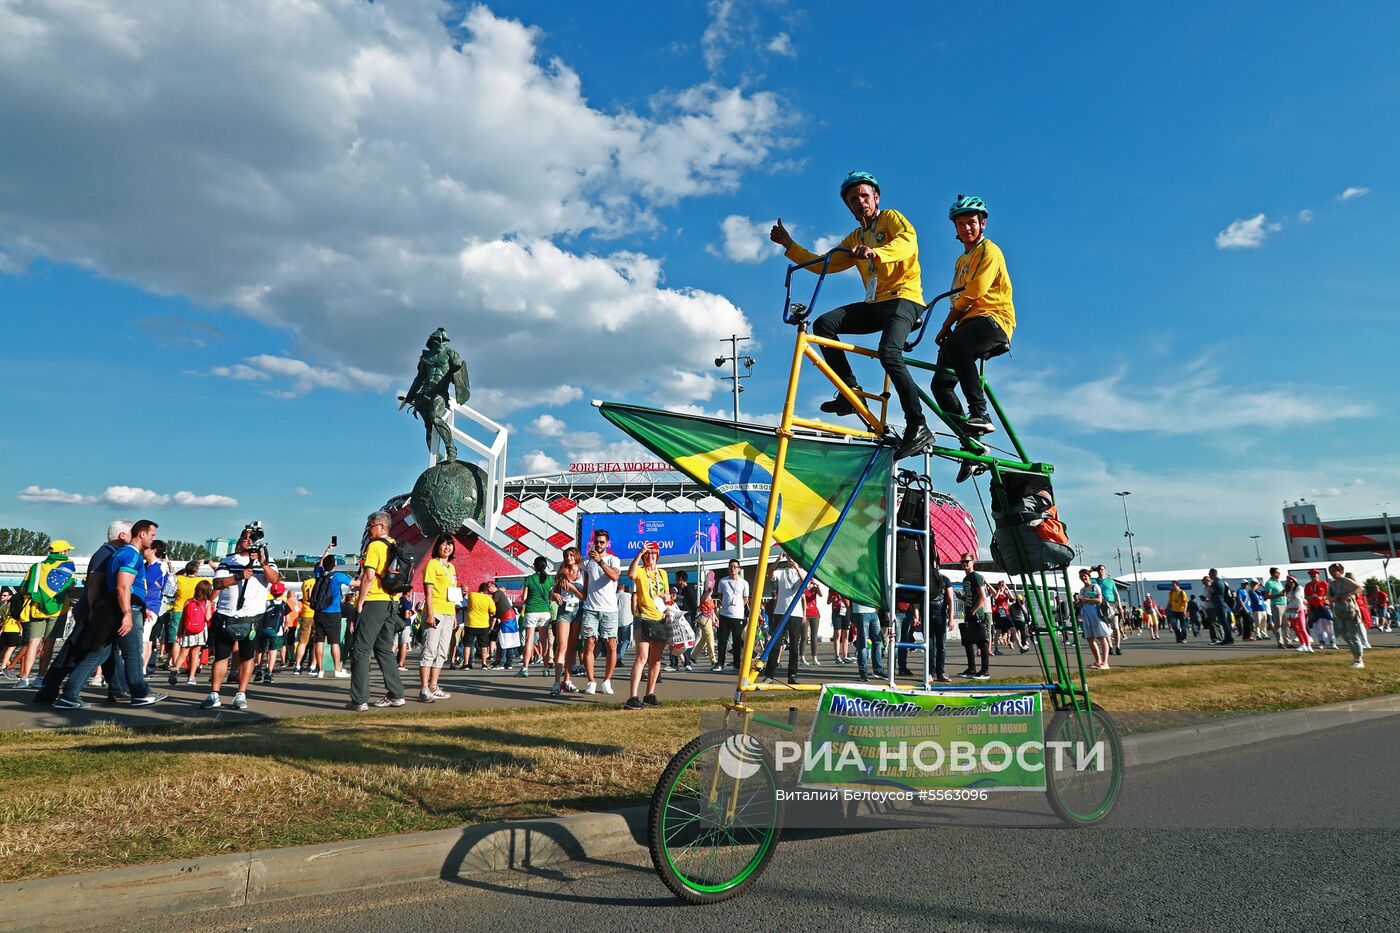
534	614
481	609
327	622
650	631
306	628
440	592
241	587
599	618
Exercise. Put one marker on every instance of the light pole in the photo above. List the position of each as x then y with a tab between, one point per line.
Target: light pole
1257	558
733	359
1132	555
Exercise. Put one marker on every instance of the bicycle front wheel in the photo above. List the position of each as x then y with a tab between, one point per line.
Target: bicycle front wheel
715	817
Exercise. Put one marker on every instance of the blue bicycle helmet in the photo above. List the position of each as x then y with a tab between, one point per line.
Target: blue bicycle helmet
967	204
859	178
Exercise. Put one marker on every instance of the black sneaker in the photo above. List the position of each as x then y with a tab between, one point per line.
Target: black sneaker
978	424
267	679
905	672
967	673
651	700
916	438
970	469
632	703
792	681
839	405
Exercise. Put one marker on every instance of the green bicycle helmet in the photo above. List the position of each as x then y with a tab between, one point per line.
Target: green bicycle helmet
967	204
859	178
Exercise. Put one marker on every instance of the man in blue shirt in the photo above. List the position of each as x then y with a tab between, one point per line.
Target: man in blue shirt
125	604
328	619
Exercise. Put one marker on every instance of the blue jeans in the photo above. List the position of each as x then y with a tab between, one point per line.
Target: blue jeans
130	678
868	627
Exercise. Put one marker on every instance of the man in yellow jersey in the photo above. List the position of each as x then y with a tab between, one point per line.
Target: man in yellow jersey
979	323
374	629
885	251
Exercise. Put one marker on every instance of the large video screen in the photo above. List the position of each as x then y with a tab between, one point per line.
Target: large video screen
675	532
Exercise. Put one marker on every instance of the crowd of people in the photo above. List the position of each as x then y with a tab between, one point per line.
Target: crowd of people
235	618
1302	616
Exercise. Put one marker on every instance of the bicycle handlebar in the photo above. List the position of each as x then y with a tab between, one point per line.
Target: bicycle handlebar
797	313
923	326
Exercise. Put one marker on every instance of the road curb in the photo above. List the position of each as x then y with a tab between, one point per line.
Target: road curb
109	898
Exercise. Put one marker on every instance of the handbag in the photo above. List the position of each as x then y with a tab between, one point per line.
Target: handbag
239	629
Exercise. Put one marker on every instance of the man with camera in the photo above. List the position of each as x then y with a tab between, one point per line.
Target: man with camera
241	581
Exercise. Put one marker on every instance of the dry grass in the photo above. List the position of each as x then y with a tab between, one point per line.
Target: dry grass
84	800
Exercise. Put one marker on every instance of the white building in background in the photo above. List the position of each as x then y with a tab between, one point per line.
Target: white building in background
1308	538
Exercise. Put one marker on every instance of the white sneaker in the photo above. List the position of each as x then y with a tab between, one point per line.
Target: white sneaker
340	674
425	696
388	701
25	682
440	694
590	688
191	683
318	674
607	687
1357	665
240	700
669	668
212	701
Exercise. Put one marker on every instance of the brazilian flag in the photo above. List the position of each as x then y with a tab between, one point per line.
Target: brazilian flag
736	463
48	582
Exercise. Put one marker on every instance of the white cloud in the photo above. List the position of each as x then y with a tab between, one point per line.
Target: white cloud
1353	193
1305	216
547	425
302	491
825	243
683	386
51	496
134	497
745	240
189	500
348	230
1246	234
781	44
719	32
537	461
1194	401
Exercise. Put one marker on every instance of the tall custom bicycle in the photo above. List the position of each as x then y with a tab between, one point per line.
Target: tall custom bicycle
712	829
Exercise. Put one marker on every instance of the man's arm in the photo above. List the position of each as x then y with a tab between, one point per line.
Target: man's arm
124	579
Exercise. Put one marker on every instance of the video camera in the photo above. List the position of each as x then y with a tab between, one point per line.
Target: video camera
254	533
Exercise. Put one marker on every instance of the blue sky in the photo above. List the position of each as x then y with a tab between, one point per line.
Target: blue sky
225	232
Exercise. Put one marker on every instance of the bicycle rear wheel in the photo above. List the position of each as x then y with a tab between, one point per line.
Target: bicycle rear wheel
1084	780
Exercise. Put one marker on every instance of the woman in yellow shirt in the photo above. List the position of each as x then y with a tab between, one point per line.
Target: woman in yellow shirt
440	594
649	623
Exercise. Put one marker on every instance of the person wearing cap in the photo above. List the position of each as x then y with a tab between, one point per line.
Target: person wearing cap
1319	612
884	250
271	633
47	589
980	320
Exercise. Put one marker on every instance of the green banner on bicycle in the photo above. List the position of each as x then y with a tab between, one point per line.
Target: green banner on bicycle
877	739
736	463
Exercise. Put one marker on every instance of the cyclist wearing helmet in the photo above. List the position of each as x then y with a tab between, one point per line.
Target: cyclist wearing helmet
885	251
981	318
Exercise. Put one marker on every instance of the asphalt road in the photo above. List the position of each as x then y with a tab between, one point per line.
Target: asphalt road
1295	834
302	696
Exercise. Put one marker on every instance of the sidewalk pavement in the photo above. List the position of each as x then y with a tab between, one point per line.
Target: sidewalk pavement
304	696
132	894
